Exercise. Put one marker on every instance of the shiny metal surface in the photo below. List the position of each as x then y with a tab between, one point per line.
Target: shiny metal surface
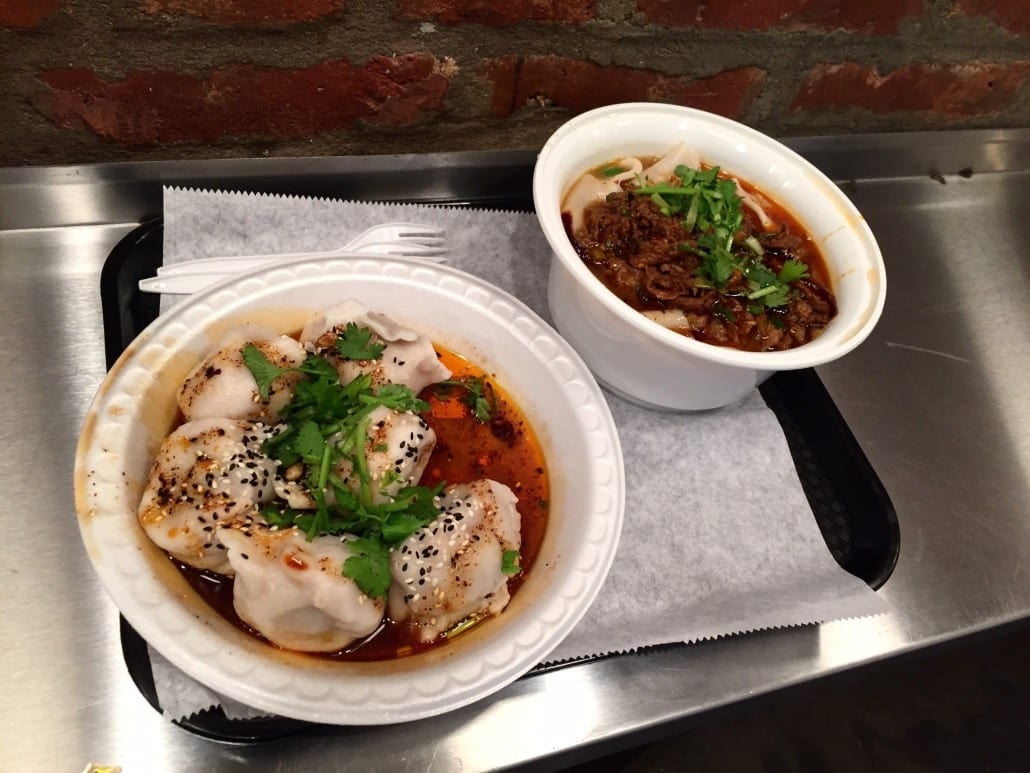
938	398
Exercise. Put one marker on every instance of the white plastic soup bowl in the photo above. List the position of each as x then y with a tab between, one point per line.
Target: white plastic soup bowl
638	358
134	410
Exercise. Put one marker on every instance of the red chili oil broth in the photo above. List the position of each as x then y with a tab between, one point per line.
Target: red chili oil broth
504	449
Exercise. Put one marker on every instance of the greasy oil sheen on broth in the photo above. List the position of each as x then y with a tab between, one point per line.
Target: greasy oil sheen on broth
504	449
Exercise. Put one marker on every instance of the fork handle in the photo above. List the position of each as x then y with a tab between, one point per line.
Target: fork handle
237	263
189	282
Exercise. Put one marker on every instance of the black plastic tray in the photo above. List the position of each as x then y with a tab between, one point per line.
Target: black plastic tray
850	504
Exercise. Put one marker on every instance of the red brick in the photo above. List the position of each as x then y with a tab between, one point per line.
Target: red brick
952	91
503	73
871	16
24	14
579	86
247	11
149	108
498	13
1013	15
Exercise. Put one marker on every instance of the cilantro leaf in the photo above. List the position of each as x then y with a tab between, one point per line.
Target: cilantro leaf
308	443
419	500
400	526
510	562
792	271
355	343
759	275
482	410
261	368
717	266
398	397
369	566
265	372
778	297
281	518
478	397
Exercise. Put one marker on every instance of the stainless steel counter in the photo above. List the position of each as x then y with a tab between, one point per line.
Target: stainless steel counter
938	397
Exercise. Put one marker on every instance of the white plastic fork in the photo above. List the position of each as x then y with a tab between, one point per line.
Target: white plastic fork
400	239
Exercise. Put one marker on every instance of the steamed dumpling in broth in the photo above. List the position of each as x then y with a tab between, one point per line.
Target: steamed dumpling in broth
222	387
452	569
294	592
207	474
408	358
397	451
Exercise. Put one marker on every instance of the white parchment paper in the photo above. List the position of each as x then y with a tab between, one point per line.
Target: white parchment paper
718	536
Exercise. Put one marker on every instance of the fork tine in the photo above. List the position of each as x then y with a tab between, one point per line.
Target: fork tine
416	251
428	241
421	235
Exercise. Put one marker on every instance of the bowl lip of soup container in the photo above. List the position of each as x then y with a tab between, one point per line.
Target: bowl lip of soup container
615	127
132	413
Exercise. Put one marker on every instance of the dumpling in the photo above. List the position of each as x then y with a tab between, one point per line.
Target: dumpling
206	475
451	569
294	592
222	387
408	357
397	451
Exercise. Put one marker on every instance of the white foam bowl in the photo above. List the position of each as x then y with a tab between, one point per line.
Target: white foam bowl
635	356
134	410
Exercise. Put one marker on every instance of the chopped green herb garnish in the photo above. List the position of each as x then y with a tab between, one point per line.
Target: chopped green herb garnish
355	343
510	562
479	395
711	211
265	372
397	527
308	442
369	567
792	271
326	425
611	171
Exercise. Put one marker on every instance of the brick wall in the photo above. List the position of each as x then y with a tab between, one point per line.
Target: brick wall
87	80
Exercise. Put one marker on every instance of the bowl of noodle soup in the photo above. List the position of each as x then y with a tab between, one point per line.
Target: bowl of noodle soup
659	352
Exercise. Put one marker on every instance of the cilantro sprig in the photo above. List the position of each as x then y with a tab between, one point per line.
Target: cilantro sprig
356	343
266	372
711	210
479	396
325	425
369	566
